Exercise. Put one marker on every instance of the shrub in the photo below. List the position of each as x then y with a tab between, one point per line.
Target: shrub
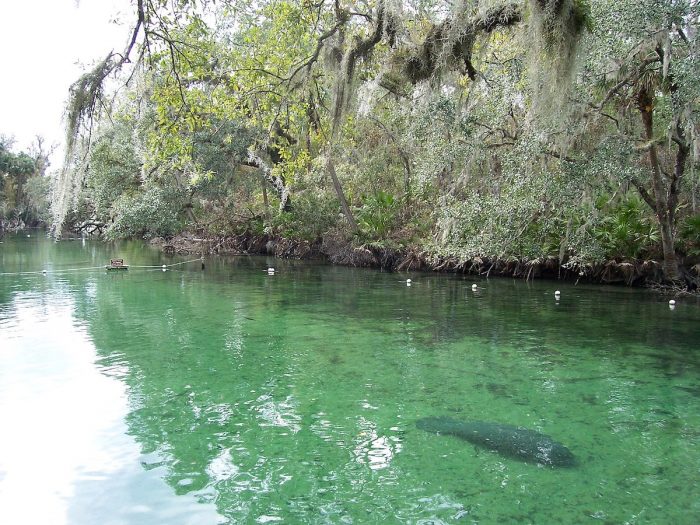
154	212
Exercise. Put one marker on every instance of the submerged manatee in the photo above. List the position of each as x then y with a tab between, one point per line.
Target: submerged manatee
515	442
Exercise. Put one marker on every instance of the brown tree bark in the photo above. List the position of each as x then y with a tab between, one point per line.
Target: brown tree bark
330	169
663	199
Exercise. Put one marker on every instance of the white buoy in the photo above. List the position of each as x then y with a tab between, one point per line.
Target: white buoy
165	266
474	287
557	293
270	269
408	281
28	235
43	271
672	302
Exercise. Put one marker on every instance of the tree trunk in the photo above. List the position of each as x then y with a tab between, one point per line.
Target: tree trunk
188	207
190	213
330	169
358	48
670	265
266	202
664	199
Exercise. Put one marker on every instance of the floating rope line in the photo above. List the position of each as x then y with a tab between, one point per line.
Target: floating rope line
89	268
166	265
39	272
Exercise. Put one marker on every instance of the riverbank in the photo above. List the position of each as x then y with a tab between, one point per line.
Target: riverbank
338	250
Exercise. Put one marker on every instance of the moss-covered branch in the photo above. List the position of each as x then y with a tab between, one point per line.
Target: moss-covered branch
450	44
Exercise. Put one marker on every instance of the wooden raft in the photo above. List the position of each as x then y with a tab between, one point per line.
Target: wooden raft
117	264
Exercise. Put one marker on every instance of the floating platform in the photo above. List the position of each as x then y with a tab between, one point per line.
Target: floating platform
117	264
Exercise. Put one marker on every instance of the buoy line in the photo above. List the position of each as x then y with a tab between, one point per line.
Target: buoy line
55	271
89	268
165	265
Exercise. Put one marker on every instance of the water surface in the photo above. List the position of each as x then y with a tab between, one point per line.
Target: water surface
232	396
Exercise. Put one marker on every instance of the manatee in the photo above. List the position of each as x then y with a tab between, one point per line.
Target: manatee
515	442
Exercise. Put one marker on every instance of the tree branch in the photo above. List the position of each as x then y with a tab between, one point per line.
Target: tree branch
643	192
276	182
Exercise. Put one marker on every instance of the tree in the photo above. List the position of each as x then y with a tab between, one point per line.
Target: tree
477	129
15	170
273	69
657	64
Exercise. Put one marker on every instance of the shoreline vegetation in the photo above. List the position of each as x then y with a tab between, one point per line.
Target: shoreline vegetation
336	250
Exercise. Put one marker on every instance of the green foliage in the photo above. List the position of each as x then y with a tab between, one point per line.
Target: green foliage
7	200
156	211
627	228
114	169
16	174
689	236
219	147
509	142
377	216
217	152
38	190
15	164
582	18
313	215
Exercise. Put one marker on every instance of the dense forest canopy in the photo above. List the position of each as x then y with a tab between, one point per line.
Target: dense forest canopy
24	184
523	130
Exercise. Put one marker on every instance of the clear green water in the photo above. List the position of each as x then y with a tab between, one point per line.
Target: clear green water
230	396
